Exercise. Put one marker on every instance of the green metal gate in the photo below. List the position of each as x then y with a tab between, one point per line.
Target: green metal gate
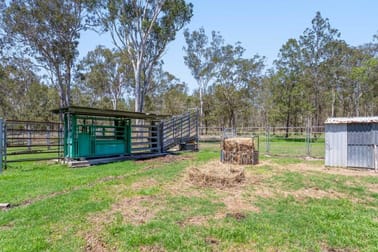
91	137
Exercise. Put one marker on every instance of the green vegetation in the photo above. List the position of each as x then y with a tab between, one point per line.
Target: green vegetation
285	204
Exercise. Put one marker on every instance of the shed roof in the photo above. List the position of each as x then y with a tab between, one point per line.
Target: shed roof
346	120
108	113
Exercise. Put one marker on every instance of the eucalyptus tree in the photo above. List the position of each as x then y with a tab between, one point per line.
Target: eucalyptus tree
202	58
49	32
367	74
314	45
365	92
105	73
22	94
287	88
169	95
142	30
236	82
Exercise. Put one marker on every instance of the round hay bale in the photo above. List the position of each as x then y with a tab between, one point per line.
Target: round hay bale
216	175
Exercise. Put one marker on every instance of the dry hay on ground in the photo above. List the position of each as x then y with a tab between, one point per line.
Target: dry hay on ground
239	151
216	174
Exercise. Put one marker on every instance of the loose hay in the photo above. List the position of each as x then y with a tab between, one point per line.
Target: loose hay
239	151
216	174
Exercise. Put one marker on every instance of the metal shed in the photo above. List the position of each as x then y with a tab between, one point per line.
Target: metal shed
351	142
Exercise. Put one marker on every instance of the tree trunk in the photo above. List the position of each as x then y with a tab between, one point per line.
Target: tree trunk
138	89
357	100
287	124
333	102
201	104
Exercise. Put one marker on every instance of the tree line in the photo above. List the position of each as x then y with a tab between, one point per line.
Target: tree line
315	76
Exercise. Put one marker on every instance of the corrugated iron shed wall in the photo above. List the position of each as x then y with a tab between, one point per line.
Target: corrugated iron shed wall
336	145
375	132
360	145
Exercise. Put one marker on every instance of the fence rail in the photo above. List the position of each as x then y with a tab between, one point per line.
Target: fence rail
32	141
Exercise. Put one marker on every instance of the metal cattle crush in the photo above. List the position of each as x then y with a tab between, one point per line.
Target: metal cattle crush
32	141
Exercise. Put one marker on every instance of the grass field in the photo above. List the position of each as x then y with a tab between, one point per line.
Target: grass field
284	204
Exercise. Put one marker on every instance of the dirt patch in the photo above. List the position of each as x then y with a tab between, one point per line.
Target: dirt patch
153	248
216	174
6	227
200	220
305	166
159	162
211	240
315	193
235	202
326	248
166	159
237	216
94	243
373	188
145	183
136	211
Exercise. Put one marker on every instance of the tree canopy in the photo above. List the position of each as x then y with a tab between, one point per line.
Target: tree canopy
315	75
142	30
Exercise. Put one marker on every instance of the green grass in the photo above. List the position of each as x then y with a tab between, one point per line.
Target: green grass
34	153
54	208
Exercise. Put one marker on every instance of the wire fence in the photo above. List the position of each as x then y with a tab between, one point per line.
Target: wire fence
277	141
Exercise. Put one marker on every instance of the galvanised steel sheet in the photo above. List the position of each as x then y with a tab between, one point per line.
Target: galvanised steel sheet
336	145
360	134
361	156
375	133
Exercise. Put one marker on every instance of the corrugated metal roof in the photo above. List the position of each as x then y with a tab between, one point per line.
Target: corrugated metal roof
346	120
108	113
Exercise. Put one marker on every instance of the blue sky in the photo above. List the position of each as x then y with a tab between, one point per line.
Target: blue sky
262	26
